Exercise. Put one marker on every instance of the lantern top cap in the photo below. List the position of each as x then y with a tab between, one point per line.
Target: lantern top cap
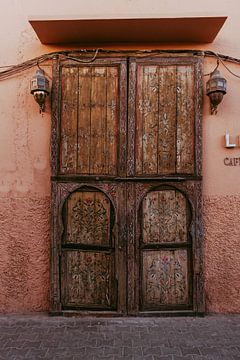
216	74
40	72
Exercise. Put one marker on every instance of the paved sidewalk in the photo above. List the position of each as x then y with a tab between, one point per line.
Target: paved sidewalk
182	338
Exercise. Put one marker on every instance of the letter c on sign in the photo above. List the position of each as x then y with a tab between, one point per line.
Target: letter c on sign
226	161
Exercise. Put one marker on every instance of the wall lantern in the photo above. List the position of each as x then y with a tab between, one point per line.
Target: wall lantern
216	88
40	88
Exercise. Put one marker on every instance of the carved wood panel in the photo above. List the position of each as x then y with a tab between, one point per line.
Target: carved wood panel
164	217
166	247
165	279
88	216
88	279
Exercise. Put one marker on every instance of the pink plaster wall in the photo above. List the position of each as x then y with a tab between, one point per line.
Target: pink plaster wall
222	265
25	162
24	260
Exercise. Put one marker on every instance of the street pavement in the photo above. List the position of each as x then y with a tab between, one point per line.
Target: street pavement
215	337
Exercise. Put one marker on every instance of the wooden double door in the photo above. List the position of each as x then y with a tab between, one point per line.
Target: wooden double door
126	186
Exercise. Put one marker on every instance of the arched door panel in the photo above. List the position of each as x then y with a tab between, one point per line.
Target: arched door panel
165	251
88	252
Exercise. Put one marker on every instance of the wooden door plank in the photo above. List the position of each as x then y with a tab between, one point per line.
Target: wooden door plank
121	242
149	110
69	120
147	120
185	120
167	120
98	120
139	120
132	256
84	120
112	121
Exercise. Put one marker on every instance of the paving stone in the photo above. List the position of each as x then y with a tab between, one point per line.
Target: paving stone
132	351
4	353
190	350
34	353
58	353
229	350
112	350
13	343
31	344
163	341
126	342
105	342
171	350
213	350
18	352
153	350
94	351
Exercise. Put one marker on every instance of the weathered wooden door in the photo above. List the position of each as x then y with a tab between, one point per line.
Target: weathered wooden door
127	186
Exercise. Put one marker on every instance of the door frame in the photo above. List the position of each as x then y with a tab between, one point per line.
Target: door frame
133	189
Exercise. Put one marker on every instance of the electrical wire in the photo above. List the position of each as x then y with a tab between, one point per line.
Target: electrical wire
231	72
13	70
16	69
213	69
83	61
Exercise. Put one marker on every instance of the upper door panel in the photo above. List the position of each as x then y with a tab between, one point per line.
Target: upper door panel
164	116
93	124
154	130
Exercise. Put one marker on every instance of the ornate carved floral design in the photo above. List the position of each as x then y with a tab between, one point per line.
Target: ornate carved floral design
89	221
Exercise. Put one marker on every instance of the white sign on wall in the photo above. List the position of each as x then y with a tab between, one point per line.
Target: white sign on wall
231	161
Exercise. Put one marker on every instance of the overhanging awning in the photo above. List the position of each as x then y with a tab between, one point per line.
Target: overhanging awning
125	30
